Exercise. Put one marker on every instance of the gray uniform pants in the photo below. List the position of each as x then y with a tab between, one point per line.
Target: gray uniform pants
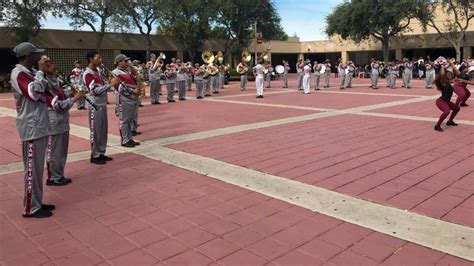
374	78
155	89
349	80
392	78
56	155
243	82
34	152
199	84
327	77
81	103
189	83
430	76
135	118
268	78
207	86
170	91
407	76
98	125
285	80
342	79
300	81
181	89
127	113
221	81
317	78
215	83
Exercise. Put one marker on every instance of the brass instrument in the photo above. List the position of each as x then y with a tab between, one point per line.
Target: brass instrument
220	57
212	69
140	82
160	61
246	56
207	56
264	55
241	69
78	89
205	70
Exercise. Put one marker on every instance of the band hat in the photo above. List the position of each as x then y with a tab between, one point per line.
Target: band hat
77	62
26	48
121	57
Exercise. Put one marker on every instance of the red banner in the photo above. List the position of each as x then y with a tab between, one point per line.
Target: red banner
259	38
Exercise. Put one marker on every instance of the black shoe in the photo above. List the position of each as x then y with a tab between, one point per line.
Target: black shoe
171	101
464	104
97	160
451	123
183	99
129	144
106	158
58	182
215	92
41	213
199	97
141	105
135	143
207	95
48	207
438	128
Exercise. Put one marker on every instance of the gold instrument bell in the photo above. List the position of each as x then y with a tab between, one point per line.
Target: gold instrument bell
246	56
207	56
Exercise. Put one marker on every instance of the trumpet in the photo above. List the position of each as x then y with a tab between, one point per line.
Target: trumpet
79	89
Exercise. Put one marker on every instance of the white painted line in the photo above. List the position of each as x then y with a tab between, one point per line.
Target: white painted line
454	239
273	105
412	117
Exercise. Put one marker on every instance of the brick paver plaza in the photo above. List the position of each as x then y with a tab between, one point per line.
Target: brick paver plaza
353	177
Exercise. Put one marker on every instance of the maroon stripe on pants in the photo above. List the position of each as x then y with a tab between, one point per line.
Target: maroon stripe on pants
48	158
29	177
446	107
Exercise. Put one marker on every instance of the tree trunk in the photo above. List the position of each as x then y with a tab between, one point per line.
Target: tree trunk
148	48
458	52
385	50
191	54
98	44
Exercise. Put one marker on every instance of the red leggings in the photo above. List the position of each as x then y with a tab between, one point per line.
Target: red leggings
462	92
446	107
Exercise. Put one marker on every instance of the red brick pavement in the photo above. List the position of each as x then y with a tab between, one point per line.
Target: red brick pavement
139	211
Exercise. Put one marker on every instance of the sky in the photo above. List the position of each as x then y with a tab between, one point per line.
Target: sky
305	18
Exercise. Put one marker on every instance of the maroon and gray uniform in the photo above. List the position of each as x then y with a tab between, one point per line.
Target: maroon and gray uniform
327	74
350	73
154	75
74	77
97	87
299	71
32	123
58	140
126	104
374	74
430	75
317	74
407	74
341	71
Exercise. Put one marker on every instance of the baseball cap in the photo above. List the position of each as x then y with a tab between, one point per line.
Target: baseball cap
121	57
26	48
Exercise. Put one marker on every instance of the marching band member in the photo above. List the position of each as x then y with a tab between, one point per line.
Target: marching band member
154	75
374	73
317	74
189	73
286	68
127	92
268	76
407	73
307	77
392	75
181	78
443	84
460	85
58	140
97	86
350	73
214	71
74	77
299	71
138	71
32	122
430	74
170	75
341	70
242	69
327	73
258	72
206	82
198	72
222	70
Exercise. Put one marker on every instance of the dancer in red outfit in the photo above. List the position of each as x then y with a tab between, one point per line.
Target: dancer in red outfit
444	102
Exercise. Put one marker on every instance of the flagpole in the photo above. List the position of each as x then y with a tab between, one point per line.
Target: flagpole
255	48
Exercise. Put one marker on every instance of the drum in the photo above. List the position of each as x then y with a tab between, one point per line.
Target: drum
280	69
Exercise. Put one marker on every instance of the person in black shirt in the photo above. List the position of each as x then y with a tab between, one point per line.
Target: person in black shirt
444	102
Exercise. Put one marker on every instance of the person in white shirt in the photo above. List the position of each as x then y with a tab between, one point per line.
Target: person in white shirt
306	77
258	72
